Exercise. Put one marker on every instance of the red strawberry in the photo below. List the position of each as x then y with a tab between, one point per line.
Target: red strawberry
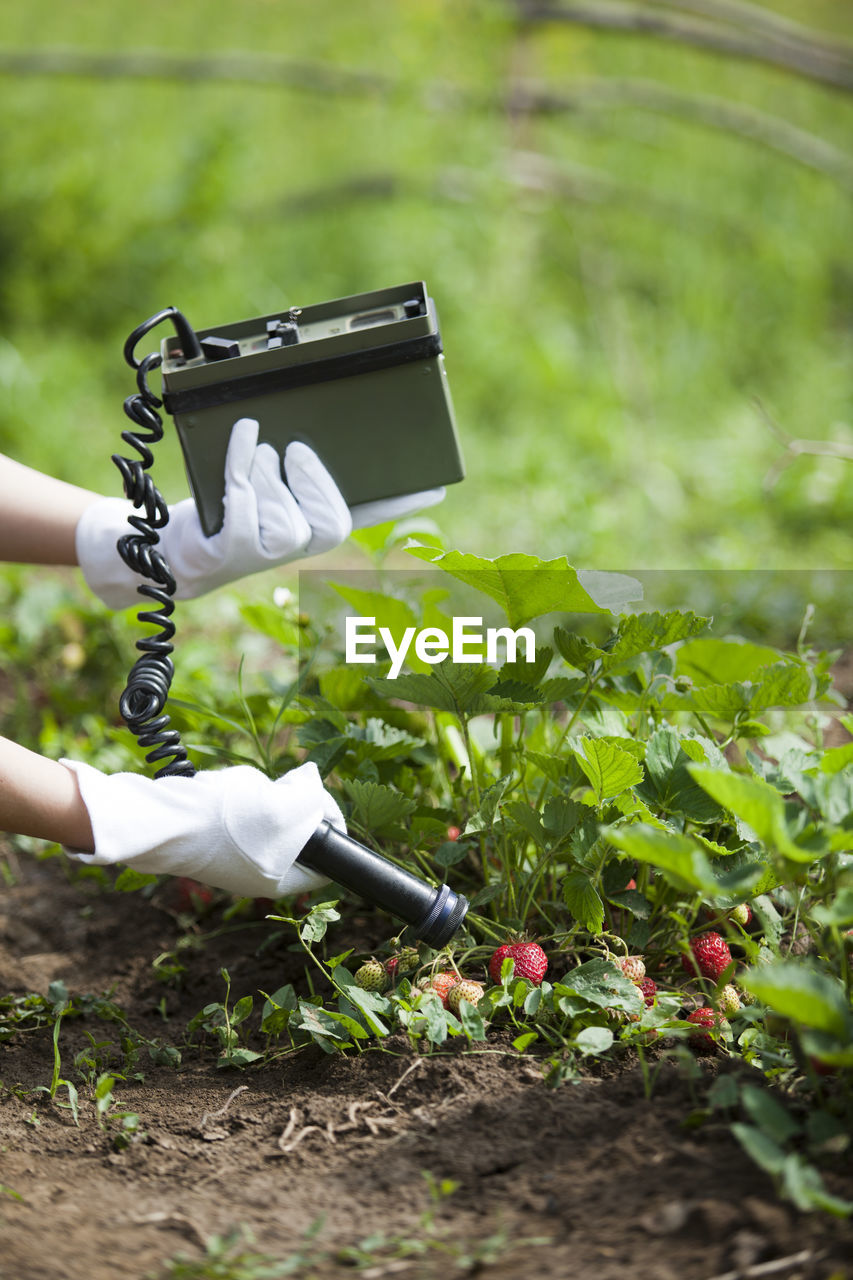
633	967
648	990
442	984
403	962
702	1019
530	961
711	954
191	896
453	833
497	959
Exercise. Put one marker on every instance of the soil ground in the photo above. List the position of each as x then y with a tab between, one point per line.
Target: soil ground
589	1179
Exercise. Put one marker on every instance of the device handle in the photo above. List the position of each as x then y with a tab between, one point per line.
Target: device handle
186	335
434	913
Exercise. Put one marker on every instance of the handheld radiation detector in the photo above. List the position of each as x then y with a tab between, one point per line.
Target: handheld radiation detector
360	379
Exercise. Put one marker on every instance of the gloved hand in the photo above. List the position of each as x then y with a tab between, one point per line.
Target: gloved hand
233	828
267	522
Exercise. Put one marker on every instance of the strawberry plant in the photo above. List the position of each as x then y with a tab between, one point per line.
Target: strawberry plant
654	838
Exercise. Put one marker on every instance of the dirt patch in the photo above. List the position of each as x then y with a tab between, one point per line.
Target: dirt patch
590	1179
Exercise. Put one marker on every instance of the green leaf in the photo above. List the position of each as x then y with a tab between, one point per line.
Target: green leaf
561	817
104	1087
757	804
451	852
804	1186
129	880
343	687
381	741
710	660
472	1021
828	1049
837	913
238	1057
528	820
600	983
436	1019
576	649
527	673
488	893
271	622
670	786
395	615
369	1003
485	817
241	1010
522	1042
719	701
610	769
319	1024
557	769
526	587
532	1001
375	537
760	1148
583	901
769	1114
594	1040
348	1016
768	917
670	851
835	794
277	1009
723	1093
57	994
786	684
803	994
376	806
73	1100
735	677
460	689
641	632
315	926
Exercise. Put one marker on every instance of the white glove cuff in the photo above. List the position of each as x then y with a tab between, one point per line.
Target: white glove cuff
234	828
106	574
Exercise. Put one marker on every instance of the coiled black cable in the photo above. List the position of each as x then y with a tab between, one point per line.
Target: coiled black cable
147	690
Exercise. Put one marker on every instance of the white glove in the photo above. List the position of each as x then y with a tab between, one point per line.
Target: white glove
267	522
233	828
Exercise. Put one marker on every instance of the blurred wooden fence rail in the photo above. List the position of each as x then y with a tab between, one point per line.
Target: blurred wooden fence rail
733	28
730	27
725	27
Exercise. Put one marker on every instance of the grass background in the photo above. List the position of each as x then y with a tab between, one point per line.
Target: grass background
618	287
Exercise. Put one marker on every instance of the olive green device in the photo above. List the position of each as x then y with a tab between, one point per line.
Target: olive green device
360	379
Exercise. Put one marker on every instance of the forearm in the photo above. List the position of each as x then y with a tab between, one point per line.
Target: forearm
40	797
38	515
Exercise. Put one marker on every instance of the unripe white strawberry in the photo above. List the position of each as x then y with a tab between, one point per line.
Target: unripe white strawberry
633	967
464	990
742	914
729	1000
371	976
